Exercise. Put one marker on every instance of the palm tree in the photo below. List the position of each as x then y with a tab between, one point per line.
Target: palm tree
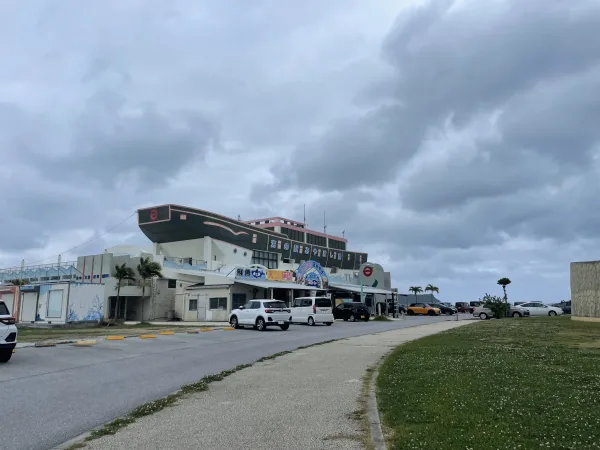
415	290
147	269
431	288
504	282
121	273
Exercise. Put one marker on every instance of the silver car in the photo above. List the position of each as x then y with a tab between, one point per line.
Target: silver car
485	313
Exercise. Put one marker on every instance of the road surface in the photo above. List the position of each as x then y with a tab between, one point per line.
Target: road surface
51	395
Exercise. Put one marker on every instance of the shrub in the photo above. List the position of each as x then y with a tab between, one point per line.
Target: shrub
499	307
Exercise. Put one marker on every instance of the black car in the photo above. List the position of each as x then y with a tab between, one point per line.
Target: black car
351	311
445	309
565	306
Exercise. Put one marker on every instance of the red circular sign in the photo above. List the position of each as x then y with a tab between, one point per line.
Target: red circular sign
153	215
368	271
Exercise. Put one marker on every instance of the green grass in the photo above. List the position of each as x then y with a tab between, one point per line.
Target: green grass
382	319
31	334
500	384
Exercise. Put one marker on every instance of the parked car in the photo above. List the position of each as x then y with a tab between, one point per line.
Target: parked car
564	305
484	313
464	307
312	310
261	314
539	309
351	311
445	308
8	333
423	308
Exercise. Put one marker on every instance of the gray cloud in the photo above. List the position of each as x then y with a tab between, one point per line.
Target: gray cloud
460	147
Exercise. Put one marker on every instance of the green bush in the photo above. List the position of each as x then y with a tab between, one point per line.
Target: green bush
499	307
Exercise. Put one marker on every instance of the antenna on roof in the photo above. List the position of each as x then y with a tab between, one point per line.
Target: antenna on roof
324	224
239	218
304	220
343	234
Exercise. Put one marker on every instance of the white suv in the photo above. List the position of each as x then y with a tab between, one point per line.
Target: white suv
261	314
312	310
8	333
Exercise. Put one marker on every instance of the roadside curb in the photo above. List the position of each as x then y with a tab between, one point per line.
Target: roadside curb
376	432
44	344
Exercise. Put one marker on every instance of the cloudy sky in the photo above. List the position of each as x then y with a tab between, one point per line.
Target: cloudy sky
455	141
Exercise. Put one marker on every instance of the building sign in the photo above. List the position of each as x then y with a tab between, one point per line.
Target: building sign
280	275
371	275
312	274
252	273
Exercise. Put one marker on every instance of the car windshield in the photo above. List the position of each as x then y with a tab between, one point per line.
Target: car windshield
3	309
323	302
275	305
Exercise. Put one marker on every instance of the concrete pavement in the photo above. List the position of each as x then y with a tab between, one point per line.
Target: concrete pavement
302	400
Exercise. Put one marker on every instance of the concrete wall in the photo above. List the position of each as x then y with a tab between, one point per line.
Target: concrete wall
585	290
86	302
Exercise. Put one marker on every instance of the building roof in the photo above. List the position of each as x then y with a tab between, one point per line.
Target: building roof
356	289
276	285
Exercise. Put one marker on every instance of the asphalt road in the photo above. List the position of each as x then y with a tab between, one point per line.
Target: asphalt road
51	395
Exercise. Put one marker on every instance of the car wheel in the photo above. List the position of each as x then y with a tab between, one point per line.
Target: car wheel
311	321
483	316
552	313
431	313
411	312
234	322
352	318
516	314
5	355
285	327
366	319
260	324
346	319
328	324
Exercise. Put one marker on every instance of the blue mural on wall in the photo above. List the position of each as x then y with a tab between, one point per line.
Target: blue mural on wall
86	303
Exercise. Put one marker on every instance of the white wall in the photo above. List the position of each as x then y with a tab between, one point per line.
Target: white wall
163	298
203	297
62	292
192	248
224	253
86	302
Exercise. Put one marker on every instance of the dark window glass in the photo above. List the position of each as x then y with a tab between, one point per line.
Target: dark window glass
3	309
172	284
323	303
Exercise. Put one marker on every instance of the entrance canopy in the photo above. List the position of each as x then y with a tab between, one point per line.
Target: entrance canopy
276	285
356	289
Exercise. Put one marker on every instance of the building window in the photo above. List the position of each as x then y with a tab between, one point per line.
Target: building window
316	240
55	302
294	235
172	284
338	245
266	259
237	300
193	306
218	303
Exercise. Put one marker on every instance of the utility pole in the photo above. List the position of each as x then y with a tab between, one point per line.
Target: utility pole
304	219
324	224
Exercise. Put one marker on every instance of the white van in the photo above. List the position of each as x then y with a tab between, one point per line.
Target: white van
312	310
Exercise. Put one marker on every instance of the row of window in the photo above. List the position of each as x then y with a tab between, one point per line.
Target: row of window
267	259
316	240
294	235
214	303
338	245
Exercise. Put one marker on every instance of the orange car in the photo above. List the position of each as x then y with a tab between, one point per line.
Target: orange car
422	308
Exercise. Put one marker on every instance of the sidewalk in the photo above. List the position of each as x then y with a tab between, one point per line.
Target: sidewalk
302	400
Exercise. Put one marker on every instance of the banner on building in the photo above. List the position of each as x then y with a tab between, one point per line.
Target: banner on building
280	275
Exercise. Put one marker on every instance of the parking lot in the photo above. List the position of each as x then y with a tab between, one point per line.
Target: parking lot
74	389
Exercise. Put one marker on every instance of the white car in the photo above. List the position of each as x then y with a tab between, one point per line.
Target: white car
312	310
261	314
539	309
8	333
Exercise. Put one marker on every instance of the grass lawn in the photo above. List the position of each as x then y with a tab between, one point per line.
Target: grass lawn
499	384
30	334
